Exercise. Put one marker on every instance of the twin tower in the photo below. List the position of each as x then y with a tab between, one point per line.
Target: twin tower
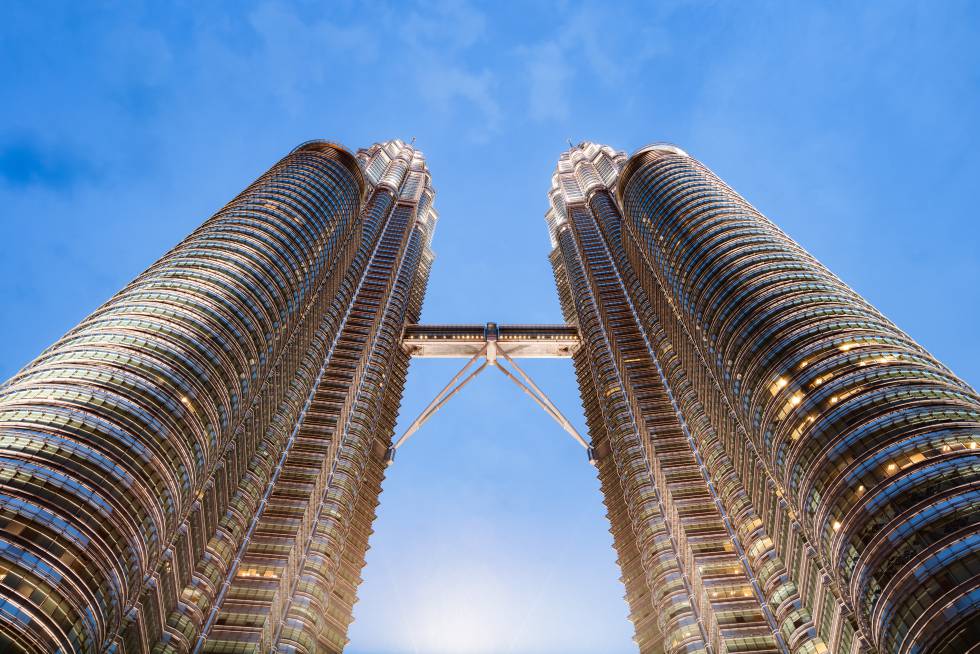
195	467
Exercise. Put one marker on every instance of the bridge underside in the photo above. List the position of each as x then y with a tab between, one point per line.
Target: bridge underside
495	344
466	341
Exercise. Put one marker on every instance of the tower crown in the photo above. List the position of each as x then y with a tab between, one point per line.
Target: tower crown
402	169
646	153
581	170
338	152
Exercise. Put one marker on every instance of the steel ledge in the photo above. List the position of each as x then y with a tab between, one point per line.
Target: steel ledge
641	156
340	153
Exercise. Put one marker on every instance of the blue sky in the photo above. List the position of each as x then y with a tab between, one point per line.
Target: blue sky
853	125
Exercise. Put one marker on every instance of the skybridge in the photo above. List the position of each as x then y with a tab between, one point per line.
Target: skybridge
494	346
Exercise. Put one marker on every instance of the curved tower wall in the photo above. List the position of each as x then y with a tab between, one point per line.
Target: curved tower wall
295	586
758	426
687	585
857	450
169	438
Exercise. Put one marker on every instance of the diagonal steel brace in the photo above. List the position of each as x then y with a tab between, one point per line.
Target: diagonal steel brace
439	401
490	355
540	397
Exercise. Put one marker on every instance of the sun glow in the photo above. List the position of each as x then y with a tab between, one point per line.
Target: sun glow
469	614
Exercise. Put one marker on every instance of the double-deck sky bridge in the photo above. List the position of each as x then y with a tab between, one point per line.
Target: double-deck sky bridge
497	346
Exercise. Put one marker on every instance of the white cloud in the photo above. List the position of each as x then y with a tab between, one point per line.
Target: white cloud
547	71
591	40
451	24
437	41
447	88
408	55
292	54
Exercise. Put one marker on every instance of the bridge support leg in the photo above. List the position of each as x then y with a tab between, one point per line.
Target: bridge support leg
438	402
491	353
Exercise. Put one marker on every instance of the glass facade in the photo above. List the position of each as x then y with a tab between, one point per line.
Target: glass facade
784	469
195	466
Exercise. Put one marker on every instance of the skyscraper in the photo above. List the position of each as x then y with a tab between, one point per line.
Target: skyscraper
783	468
195	467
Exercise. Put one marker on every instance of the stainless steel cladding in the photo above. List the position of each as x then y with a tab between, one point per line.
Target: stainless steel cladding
194	467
